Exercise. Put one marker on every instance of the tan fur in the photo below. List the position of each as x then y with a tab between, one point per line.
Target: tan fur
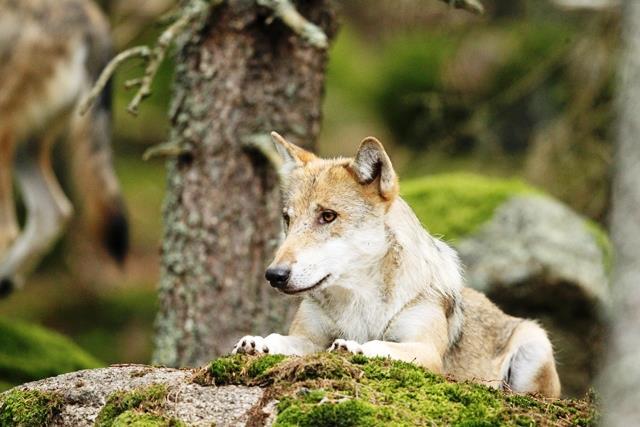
8	222
390	264
375	282
546	381
51	51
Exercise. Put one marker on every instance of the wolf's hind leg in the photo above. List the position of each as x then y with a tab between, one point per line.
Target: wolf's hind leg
8	223
48	211
529	364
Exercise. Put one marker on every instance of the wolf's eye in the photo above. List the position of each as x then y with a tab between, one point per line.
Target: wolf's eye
285	218
327	216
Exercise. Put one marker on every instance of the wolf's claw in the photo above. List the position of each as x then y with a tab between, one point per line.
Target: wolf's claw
250	345
346	345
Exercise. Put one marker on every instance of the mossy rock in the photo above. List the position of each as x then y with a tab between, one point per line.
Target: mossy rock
29	352
143	407
324	389
455	205
329	389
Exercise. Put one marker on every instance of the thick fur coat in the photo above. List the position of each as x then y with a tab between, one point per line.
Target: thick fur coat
375	282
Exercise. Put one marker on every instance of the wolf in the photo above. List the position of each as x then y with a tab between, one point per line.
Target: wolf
373	281
51	52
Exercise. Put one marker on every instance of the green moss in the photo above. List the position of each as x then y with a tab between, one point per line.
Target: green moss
269	369
148	400
456	205
329	389
29	352
28	408
133	418
261	365
352	412
227	370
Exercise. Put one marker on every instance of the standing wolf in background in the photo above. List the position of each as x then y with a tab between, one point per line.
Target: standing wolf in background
51	52
375	282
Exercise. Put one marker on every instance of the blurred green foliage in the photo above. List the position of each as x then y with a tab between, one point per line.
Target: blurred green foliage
114	325
437	86
29	352
410	72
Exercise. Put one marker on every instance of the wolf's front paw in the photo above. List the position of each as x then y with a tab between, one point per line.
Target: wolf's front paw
251	345
346	345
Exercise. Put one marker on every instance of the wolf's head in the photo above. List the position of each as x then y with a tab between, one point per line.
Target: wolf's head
333	214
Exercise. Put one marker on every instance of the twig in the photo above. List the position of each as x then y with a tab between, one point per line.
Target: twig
166	149
288	14
470	5
107	73
192	11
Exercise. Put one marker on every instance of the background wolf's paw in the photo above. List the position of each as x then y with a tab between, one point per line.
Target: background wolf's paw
346	345
251	345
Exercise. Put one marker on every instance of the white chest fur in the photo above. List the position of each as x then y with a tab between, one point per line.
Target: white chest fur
358	316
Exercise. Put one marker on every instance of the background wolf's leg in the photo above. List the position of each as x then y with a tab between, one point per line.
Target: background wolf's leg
529	365
8	222
95	179
48	211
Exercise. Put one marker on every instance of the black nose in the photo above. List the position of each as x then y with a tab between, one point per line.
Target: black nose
278	276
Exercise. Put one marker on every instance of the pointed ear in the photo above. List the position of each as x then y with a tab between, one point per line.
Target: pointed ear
372	165
292	155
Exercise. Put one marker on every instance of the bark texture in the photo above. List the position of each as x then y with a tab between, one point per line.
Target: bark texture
621	377
240	76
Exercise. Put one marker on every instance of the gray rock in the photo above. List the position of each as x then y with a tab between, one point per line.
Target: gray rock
536	258
86	392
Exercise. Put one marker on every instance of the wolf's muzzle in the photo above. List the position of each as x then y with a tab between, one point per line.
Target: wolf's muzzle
278	276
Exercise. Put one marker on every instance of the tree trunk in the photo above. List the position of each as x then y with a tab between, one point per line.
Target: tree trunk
240	77
621	377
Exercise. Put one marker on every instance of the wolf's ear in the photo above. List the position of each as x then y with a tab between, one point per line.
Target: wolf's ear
292	155
372	164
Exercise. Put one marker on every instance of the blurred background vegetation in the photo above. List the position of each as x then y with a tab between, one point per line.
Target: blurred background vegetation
523	92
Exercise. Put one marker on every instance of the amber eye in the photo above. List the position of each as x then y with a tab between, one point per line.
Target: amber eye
285	218
327	216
